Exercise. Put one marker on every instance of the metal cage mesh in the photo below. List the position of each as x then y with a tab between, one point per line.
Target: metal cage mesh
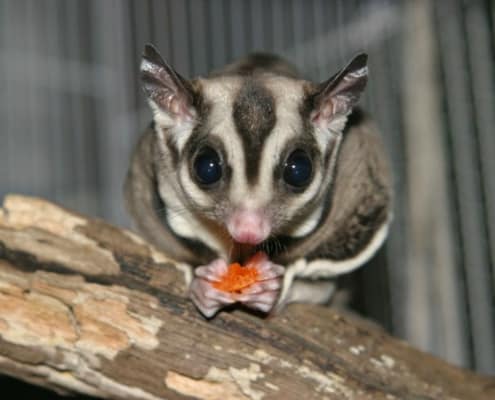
71	110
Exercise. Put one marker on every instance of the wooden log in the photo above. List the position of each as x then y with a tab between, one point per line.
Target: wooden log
86	307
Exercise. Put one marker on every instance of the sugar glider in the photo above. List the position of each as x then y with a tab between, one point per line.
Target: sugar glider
254	157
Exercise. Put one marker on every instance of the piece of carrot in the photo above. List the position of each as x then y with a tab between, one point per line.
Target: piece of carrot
240	277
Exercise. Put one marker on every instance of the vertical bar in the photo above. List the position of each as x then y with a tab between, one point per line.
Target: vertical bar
26	106
218	46
8	19
319	30
141	14
5	181
59	153
199	38
116	124
433	310
384	276
281	37
238	28
258	28
340	22
79	112
180	37
482	64
463	140
297	19
161	21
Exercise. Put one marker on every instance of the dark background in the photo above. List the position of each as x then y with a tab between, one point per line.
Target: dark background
71	110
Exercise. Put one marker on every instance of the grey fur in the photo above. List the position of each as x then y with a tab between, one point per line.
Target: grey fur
144	204
356	194
359	201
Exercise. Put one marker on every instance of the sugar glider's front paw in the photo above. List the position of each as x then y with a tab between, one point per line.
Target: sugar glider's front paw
263	294
206	298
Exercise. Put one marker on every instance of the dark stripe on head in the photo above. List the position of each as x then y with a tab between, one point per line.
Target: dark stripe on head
355	118
307	106
202	108
200	130
173	150
254	117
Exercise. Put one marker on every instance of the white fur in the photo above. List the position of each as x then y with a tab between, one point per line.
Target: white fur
311	292
309	223
219	93
287	94
357	74
187	225
179	129
326	268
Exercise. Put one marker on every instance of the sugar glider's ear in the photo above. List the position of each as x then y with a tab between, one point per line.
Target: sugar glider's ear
335	97
169	94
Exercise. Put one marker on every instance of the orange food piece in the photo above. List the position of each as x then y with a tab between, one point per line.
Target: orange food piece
238	277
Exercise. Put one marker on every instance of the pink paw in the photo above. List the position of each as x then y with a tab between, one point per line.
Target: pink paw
261	295
206	298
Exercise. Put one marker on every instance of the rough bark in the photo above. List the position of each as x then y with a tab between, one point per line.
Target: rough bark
86	307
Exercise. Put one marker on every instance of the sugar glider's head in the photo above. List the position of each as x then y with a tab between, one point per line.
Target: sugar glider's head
251	151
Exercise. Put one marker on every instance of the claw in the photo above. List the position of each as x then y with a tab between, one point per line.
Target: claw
263	286
207	299
269	270
262	295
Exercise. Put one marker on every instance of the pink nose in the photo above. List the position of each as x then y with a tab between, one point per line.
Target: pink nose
248	226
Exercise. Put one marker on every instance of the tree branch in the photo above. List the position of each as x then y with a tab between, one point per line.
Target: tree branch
86	307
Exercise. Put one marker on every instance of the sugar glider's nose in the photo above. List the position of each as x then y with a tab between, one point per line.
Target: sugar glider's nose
249	226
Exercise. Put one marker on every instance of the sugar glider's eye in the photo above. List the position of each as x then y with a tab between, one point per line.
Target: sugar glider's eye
298	169
207	166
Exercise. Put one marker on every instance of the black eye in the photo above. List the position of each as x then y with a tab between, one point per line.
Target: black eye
298	169
208	166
